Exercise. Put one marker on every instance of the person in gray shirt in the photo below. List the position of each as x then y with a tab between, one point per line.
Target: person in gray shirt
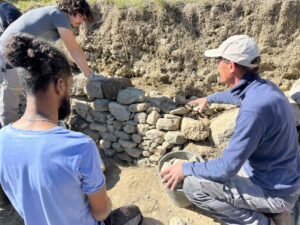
51	23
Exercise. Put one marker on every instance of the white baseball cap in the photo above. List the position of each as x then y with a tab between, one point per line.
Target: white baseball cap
240	49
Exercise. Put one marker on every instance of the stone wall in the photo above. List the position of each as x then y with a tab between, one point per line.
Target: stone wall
136	127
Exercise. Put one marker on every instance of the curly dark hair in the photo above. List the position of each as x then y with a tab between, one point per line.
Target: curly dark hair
74	7
41	62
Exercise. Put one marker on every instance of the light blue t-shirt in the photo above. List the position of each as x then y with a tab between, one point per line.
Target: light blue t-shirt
48	174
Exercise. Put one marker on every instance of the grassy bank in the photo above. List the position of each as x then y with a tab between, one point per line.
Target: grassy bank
25	5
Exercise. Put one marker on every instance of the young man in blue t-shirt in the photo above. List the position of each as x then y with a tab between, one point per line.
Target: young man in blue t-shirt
259	171
52	175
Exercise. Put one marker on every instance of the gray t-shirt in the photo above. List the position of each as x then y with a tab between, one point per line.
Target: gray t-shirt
42	22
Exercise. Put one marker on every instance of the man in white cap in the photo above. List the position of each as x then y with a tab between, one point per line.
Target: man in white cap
264	146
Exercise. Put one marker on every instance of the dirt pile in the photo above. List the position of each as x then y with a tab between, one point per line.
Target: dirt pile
161	46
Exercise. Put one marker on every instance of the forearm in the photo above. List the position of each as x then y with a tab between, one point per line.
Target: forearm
225	97
80	60
102	215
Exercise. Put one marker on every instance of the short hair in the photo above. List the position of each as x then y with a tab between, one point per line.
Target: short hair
74	7
41	63
256	60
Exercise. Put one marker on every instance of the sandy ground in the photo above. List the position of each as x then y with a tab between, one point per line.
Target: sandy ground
139	186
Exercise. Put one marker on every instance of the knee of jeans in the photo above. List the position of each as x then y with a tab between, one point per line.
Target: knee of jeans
192	185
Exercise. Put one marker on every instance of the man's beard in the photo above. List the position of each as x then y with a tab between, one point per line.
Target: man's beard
64	109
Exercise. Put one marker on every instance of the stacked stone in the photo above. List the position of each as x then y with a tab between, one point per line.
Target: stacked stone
130	125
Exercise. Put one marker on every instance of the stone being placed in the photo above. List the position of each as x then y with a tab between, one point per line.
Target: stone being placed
120	112
127	144
194	129
93	89
131	95
168	124
180	111
175	137
155	135
153	117
141	117
295	92
139	107
100	105
133	152
98	127
129	129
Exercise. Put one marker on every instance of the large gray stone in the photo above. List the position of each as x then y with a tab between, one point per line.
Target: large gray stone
127	144
141	117
93	89
153	117
139	107
194	129
175	137
133	152
131	95
111	87
156	135
120	112
222	127
98	127
295	92
100	105
168	124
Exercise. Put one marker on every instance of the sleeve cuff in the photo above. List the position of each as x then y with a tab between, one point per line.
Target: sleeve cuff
187	169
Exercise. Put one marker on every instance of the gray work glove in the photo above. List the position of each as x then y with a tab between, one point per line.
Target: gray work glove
96	78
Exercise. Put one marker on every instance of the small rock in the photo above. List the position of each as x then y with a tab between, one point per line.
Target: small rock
122	135
177	221
109	152
133	152
129	129
108	136
142	128
116	146
140	107
153	117
141	117
137	138
146	153
98	127
156	135
194	129
154	158
104	144
100	105
127	144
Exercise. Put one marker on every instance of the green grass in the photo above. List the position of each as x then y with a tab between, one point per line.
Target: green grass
25	5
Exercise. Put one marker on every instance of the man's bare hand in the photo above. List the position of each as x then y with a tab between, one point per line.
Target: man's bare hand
201	102
172	176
